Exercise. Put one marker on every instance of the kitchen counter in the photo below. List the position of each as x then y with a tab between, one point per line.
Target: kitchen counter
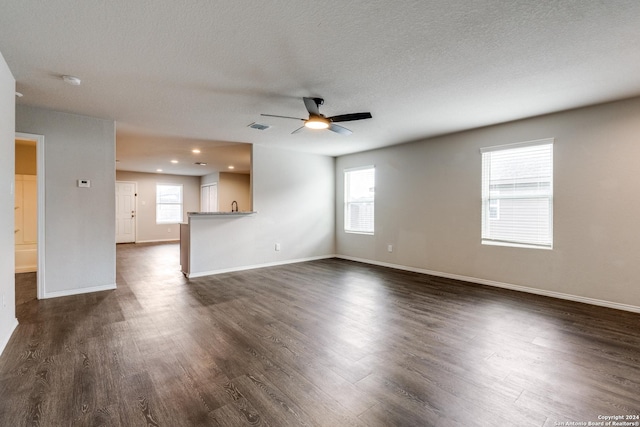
192	249
214	214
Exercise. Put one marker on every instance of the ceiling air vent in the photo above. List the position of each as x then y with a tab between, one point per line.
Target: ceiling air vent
259	126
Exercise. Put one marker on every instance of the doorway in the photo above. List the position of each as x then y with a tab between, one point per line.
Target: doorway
30	208
26	207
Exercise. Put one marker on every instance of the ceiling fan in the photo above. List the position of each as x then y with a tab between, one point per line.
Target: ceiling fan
318	121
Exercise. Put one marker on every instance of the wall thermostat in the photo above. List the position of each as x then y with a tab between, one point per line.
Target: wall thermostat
84	183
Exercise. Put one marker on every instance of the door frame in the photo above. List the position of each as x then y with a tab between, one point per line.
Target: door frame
135	208
40	179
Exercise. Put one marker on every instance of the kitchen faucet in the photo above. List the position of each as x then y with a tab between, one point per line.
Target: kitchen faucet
234	209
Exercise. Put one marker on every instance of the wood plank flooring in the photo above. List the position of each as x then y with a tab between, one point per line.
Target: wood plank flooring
322	343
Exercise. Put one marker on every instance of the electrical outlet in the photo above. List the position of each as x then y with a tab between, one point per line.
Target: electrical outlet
389	248
277	247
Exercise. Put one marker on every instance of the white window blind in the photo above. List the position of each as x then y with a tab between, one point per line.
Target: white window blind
517	194
359	195
168	203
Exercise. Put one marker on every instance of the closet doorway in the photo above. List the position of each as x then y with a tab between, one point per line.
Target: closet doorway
29	208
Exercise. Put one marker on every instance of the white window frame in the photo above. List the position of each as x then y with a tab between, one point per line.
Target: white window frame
492	201
180	203
348	202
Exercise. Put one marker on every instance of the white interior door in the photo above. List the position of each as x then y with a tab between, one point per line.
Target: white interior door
209	198
125	212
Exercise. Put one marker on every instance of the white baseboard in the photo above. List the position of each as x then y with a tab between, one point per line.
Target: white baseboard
252	267
157	241
510	286
79	291
5	340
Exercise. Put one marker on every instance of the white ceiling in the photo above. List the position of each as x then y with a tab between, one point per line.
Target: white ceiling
205	70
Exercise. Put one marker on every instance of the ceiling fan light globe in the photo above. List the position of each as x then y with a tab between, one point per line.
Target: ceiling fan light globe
316	124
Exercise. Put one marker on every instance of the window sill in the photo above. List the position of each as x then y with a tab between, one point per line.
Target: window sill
366	233
515	245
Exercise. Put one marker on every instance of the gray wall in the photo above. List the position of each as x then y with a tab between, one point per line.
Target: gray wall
8	320
428	206
146	228
294	197
79	222
210	179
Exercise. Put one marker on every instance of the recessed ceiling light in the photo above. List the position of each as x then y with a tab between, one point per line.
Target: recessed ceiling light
200	163
19	95
158	170
195	151
174	161
72	80
230	167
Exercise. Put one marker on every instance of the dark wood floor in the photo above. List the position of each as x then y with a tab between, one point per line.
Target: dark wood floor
323	343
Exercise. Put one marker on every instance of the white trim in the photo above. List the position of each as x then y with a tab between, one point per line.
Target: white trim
5	340
40	169
490	242
519	288
542	141
80	291
253	267
366	233
158	241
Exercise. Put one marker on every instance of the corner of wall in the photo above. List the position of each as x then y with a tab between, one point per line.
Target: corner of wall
8	320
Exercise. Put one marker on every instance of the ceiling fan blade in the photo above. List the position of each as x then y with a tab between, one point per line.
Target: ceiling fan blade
339	129
350	117
282	117
312	105
297	130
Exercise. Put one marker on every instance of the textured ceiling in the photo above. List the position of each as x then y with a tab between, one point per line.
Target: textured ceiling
205	70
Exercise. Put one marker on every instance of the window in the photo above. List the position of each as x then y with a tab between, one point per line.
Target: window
359	191
517	194
168	203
